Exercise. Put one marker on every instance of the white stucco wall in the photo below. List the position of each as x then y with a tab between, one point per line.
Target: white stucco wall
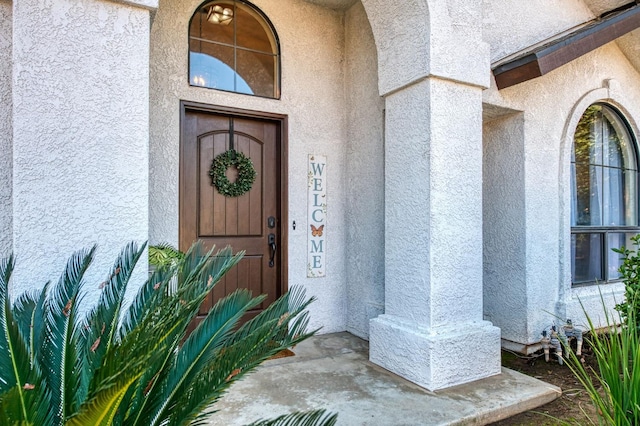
600	6
547	104
6	155
365	175
148	4
512	25
313	97
80	135
630	46
504	250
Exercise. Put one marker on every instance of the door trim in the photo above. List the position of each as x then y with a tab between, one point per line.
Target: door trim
283	193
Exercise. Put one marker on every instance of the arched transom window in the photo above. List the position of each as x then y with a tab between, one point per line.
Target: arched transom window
604	188
233	47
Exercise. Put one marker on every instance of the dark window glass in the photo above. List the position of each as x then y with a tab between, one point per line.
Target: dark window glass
259	69
586	257
232	47
614	260
604	203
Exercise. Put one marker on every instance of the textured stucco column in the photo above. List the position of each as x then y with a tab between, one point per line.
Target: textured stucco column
6	157
432	332
80	134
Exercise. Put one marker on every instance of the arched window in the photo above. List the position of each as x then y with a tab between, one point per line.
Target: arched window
233	47
604	188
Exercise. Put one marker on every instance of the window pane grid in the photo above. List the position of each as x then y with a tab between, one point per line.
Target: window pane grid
234	48
633	169
231	45
592	257
604	166
604	182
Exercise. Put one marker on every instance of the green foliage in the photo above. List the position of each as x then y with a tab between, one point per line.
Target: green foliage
301	419
630	274
615	391
136	364
164	255
246	173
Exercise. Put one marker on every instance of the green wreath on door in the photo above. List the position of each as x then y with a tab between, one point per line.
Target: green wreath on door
246	173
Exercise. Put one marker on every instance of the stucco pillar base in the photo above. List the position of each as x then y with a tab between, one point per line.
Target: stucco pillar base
435	358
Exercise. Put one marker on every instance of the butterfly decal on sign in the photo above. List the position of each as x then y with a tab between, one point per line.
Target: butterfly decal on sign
317	232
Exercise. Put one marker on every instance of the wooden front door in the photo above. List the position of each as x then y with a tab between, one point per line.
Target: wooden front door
249	222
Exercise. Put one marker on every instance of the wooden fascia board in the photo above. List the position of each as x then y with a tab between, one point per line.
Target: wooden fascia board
535	62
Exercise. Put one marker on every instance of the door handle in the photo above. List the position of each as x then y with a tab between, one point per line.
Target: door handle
273	247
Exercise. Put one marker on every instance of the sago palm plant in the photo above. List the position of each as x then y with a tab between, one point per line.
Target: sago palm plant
63	364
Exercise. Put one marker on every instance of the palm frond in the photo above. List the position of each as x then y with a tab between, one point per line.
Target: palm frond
23	311
198	351
125	405
214	269
144	348
36	399
136	367
102	410
310	418
282	325
37	325
20	372
201	270
232	364
60	348
194	261
193	285
12	411
193	288
100	326
208	387
140	354
8	378
159	333
259	339
287	308
38	395
23	396
14	357
147	299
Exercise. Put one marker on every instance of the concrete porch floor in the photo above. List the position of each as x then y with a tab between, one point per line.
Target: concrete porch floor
332	371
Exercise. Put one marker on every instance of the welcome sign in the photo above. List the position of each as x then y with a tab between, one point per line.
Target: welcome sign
317	216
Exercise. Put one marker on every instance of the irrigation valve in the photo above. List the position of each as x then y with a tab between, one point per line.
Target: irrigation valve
545	345
571	332
555	343
558	337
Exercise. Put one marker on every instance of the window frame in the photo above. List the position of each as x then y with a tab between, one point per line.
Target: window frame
604	260
606	230
278	54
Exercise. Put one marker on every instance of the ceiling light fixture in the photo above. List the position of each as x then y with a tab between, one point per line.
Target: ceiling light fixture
220	15
199	81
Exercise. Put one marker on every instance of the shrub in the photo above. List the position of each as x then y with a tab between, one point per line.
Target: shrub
630	274
163	255
615	390
136	365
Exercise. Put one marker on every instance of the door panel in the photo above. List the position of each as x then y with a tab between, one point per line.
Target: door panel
225	216
240	222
